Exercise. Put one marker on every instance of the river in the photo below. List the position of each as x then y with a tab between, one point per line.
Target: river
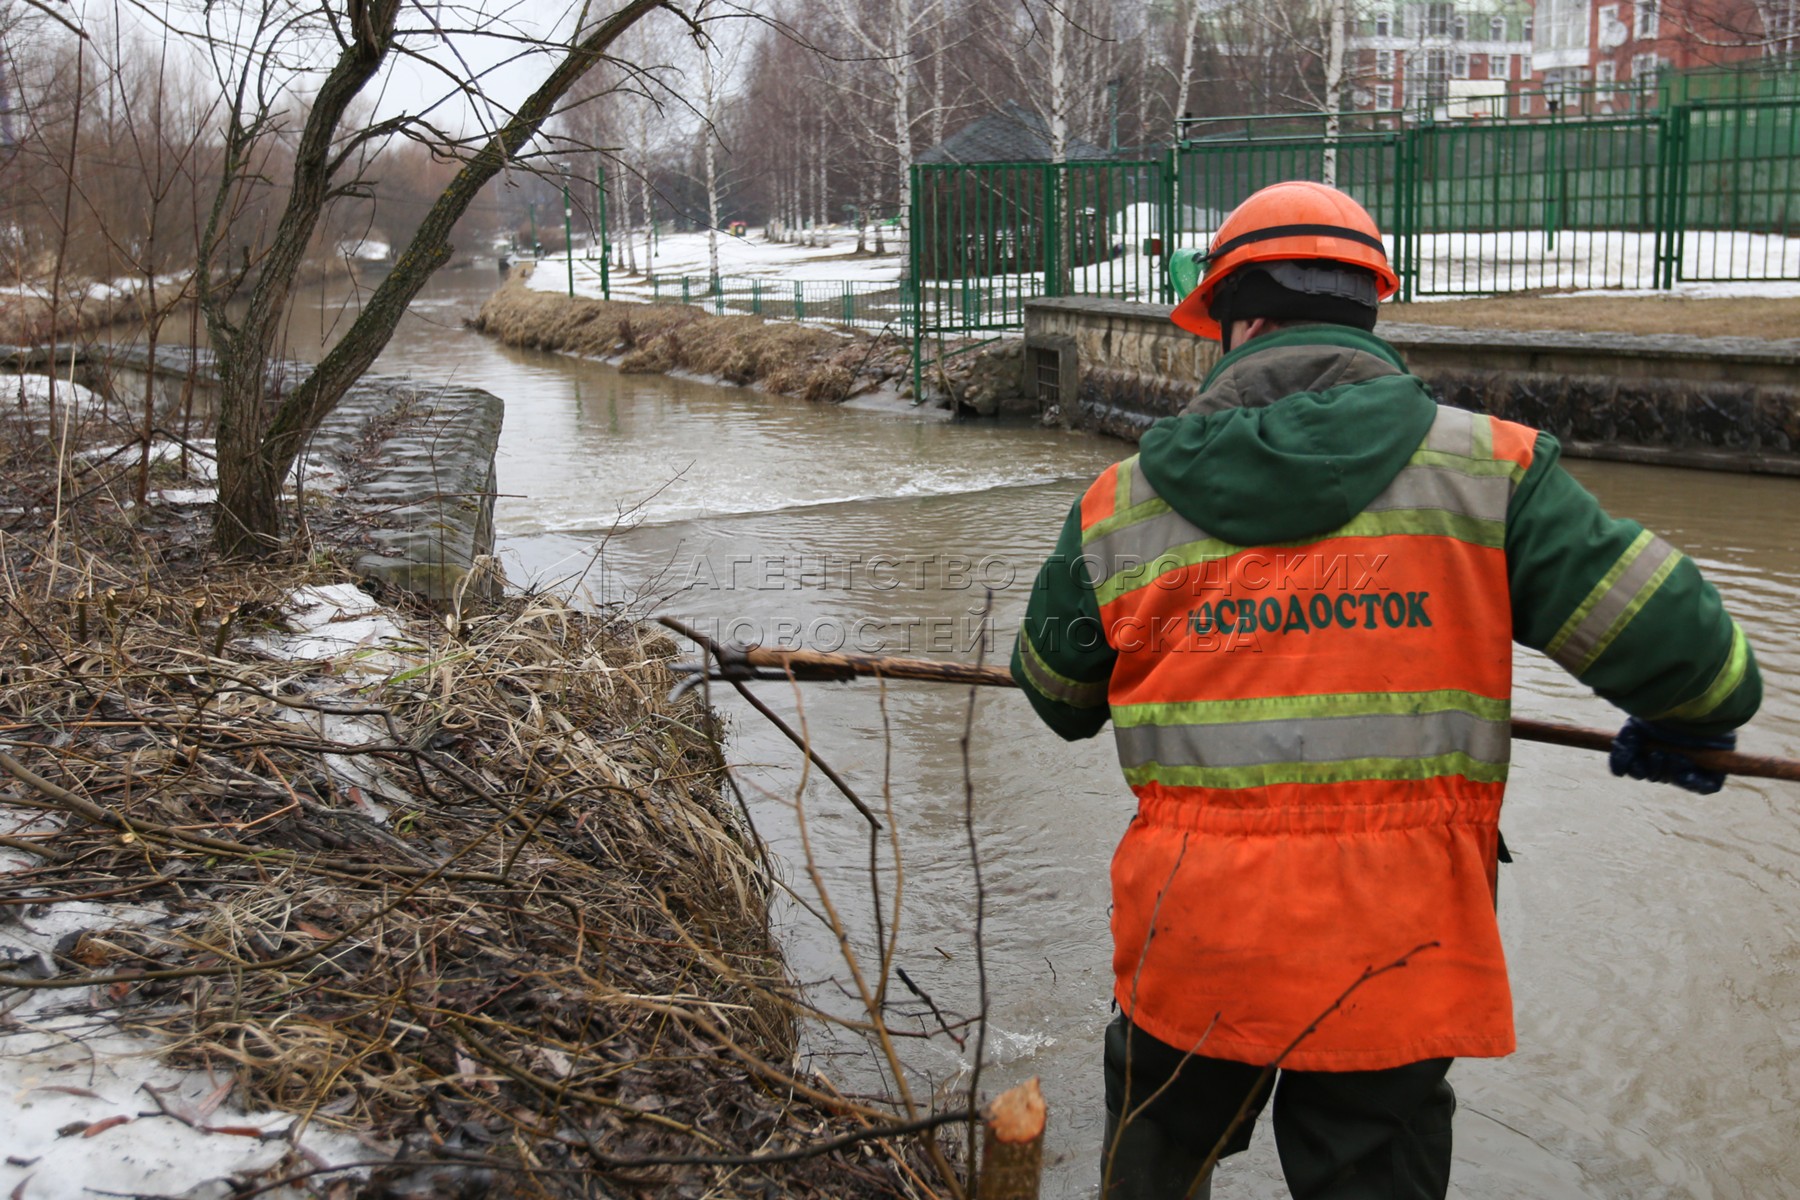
1651	933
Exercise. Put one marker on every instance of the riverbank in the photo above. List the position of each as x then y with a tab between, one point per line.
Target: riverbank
816	364
464	895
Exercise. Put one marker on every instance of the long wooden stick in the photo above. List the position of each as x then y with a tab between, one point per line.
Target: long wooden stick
815	665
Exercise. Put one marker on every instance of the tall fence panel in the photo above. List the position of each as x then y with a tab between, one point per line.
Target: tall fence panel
986	237
1502	206
1733	174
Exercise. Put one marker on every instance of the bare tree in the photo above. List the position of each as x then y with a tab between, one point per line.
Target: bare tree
256	54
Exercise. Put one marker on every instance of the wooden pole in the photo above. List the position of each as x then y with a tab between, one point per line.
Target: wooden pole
1012	1144
814	665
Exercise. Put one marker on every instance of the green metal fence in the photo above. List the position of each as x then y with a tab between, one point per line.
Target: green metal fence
862	304
986	237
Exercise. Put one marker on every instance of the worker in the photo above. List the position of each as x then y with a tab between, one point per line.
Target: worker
1296	605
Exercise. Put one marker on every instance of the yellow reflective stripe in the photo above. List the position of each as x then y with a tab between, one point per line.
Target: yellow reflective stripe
1333	704
1468	466
1640	598
1555	645
1050	683
1724	683
1346	771
1481	438
1122	496
1124	517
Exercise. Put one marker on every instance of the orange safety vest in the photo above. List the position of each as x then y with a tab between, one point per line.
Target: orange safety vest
1317	734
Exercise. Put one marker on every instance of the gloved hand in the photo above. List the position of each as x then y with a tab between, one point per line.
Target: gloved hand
1651	752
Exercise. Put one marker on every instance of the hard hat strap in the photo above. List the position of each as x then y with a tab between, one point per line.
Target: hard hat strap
1271	232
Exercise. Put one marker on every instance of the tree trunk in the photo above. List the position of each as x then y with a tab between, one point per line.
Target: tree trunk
1012	1144
1336	14
900	72
258	440
710	97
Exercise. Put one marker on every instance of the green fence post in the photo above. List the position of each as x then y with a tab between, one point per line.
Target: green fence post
915	244
1169	175
849	304
799	301
756	297
686	295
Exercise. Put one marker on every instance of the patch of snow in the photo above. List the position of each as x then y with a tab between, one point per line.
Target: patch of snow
1450	265
69	1076
367	250
337	621
35	389
68	1082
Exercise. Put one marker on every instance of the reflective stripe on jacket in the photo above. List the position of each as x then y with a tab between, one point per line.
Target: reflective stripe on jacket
1317	735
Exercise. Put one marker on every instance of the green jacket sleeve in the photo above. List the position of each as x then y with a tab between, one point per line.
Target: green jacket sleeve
1062	661
1625	612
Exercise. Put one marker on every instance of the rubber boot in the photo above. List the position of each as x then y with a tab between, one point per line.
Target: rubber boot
1144	1163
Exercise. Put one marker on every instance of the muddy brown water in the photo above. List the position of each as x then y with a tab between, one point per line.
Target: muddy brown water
1651	934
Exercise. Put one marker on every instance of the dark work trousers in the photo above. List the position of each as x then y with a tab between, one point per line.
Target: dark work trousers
1342	1135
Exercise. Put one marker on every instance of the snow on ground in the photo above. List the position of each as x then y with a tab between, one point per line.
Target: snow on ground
35	389
89	1102
1450	265
751	256
86	1102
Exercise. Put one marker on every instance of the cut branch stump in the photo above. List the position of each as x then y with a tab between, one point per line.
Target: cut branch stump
1012	1144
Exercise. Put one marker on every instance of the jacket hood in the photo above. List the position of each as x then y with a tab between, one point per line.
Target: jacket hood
1293	434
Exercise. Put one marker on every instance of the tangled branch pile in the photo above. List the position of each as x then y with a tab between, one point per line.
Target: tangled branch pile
475	894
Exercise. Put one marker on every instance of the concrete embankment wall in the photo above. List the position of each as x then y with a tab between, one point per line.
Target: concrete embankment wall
1730	404
416	462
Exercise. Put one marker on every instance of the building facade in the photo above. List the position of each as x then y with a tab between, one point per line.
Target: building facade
1445	60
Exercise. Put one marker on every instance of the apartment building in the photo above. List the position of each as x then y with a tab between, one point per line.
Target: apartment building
1449	60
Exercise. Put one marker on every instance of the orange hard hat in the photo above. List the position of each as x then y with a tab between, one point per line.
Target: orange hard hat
1284	221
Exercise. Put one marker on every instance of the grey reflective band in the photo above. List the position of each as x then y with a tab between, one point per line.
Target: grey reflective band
1316	740
1281	231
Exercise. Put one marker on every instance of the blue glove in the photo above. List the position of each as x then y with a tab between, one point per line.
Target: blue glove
1652	753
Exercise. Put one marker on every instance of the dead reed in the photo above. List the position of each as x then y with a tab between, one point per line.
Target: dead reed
475	894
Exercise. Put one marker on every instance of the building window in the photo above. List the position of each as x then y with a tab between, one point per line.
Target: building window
1384	63
1524	66
1437	74
1526	34
1644	68
1604	73
1384	97
1459	66
1438	18
1382	24
1497	29
1647	20
1459	28
1497	66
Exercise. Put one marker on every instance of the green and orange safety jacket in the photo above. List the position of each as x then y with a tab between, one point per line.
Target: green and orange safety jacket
1296	604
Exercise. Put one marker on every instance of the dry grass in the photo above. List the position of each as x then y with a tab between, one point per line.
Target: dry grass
1756	318
546	969
778	356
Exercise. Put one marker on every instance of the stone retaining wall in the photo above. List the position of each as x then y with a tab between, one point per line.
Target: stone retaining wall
417	460
1728	404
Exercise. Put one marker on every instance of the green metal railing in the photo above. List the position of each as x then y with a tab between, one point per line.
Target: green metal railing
862	304
1599	194
986	237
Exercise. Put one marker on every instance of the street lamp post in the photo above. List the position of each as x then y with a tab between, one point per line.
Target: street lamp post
568	227
605	248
